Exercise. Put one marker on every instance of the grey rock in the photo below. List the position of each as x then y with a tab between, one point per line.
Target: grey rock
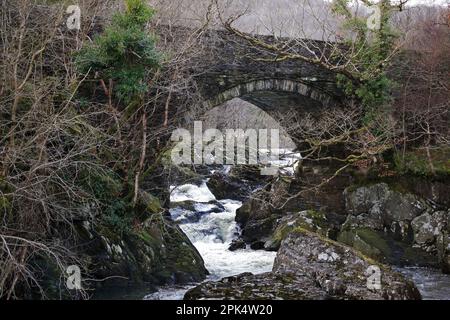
428	227
237	244
266	286
379	200
443	247
339	270
310	267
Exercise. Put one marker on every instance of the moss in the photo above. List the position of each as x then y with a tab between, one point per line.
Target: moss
5	205
367	241
313	221
373	239
361	255
416	162
148	239
319	219
154	204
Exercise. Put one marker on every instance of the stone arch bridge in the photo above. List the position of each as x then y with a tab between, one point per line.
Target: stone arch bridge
232	68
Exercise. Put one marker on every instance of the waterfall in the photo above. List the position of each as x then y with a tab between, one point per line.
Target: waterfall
210	225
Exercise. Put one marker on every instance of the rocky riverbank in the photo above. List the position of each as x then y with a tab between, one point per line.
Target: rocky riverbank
141	258
307	267
384	220
325	251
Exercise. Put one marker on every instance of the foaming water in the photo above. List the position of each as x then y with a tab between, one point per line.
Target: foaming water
191	192
212	228
212	236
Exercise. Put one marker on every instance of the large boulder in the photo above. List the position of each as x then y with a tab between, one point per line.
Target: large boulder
340	271
390	225
428	227
237	182
380	202
443	246
225	186
258	216
309	266
266	286
153	253
323	223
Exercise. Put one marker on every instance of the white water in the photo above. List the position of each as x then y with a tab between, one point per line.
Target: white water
212	234
191	192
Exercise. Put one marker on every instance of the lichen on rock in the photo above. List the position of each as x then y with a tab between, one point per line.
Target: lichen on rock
310	267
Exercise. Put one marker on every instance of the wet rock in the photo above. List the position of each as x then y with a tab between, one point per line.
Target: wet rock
340	271
257	245
311	267
225	186
258	216
153	253
238	183
427	228
237	244
326	224
249	174
382	247
190	205
443	247
258	231
266	286
378	201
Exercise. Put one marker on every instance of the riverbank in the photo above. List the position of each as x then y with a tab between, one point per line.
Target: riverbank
211	226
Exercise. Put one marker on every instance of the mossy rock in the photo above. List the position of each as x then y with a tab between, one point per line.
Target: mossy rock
310	220
382	247
367	241
416	162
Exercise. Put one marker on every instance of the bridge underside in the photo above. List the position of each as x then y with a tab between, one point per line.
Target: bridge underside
270	101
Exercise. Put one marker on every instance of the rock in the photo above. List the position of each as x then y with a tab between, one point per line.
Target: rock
237	244
311	267
370	220
326	224
427	228
249	174
189	205
266	286
159	253
443	247
258	230
237	184
339	270
258	216
380	246
225	186
155	252
391	226
257	245
368	241
379	201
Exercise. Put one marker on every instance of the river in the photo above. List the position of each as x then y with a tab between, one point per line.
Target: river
211	227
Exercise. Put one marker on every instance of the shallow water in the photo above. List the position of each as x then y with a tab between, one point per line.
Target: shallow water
432	284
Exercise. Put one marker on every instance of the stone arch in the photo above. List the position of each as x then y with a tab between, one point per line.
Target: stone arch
278	85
